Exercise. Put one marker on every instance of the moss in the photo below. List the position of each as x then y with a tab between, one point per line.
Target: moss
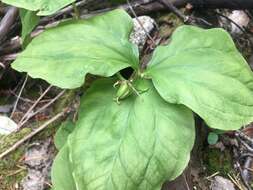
48	132
218	161
7	141
11	169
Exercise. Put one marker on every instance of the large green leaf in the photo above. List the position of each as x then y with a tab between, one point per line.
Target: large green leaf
63	171
203	70
65	54
44	7
136	145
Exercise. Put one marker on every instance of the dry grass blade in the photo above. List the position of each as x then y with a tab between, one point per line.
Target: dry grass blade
19	95
33	106
42	108
237	182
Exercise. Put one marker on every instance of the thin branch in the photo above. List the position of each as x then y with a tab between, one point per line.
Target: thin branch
246	145
8	21
2	65
33	106
243	136
186	19
28	100
243	177
13	45
187	185
9	57
173	9
230	20
42	127
42	108
19	95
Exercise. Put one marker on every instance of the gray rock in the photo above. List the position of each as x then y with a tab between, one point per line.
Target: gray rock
38	159
241	19
220	183
139	35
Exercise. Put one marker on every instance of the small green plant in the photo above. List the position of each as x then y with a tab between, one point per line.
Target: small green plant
139	134
212	138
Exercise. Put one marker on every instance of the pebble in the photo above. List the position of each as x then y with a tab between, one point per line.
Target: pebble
38	160
220	183
7	125
241	19
139	35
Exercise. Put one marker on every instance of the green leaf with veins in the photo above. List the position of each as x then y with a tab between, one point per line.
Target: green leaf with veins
29	20
135	145
44	7
65	54
203	70
62	169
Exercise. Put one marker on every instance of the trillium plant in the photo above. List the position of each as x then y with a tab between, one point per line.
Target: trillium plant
135	133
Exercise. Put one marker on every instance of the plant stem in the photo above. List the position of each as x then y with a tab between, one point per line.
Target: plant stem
120	76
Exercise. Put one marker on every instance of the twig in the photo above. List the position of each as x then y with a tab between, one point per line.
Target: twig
187	185
13	45
244	137
42	127
236	182
230	20
243	155
247	146
42	108
2	65
33	106
243	177
177	12
9	57
8	21
15	172
186	19
136	4
213	175
28	100
19	95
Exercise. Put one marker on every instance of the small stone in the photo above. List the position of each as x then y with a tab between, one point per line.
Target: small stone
241	19
38	159
139	35
220	183
7	125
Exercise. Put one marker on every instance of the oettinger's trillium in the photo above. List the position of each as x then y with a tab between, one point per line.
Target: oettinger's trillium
146	137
